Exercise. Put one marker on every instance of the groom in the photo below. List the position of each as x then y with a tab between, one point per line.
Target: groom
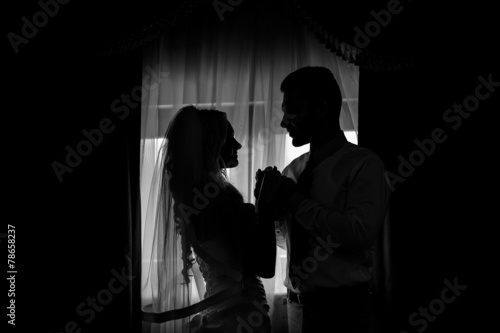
333	201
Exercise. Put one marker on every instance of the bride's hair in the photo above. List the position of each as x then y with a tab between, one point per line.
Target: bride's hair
192	160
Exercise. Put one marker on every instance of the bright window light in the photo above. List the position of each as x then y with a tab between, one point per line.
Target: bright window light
351	136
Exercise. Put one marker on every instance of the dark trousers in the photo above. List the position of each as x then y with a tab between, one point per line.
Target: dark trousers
345	310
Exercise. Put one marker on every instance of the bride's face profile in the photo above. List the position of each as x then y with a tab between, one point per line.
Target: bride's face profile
229	151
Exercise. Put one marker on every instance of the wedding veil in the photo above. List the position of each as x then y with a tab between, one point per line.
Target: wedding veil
183	153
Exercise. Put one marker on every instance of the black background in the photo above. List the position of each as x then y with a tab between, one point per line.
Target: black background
70	235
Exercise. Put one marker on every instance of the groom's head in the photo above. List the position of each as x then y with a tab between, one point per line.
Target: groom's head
311	104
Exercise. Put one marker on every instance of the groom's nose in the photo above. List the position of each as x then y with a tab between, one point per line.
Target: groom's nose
286	120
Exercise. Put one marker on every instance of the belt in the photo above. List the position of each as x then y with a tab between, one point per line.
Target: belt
220	297
327	294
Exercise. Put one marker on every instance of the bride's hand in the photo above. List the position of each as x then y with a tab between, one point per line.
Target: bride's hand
271	181
276	190
259	176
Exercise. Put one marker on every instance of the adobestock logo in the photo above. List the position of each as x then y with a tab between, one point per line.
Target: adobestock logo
372	29
452	117
29	29
121	108
94	305
421	319
221	7
310	264
254	320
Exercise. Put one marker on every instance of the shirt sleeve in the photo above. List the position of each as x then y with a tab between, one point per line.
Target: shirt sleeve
357	226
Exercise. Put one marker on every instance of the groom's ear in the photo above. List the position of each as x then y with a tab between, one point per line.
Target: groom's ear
322	109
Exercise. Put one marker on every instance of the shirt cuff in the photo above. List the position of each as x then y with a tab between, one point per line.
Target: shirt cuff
294	201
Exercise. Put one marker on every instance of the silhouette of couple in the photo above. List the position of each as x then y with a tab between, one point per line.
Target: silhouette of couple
328	206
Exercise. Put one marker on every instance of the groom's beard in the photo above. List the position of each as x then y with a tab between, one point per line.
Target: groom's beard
300	133
300	139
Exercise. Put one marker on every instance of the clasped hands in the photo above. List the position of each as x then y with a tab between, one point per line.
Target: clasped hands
272	189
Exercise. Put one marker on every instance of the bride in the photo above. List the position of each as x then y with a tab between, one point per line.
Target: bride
232	243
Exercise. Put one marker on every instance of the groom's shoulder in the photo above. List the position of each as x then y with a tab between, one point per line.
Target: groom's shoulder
359	150
355	153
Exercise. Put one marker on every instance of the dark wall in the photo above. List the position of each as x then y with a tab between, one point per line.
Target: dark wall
441	210
72	232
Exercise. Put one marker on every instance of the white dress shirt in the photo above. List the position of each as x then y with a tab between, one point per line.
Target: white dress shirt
343	215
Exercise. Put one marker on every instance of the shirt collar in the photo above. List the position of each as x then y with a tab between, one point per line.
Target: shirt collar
328	149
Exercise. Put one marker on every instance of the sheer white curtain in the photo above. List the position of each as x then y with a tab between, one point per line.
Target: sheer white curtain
236	67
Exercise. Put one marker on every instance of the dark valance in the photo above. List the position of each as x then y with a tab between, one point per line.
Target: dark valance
153	31
336	36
